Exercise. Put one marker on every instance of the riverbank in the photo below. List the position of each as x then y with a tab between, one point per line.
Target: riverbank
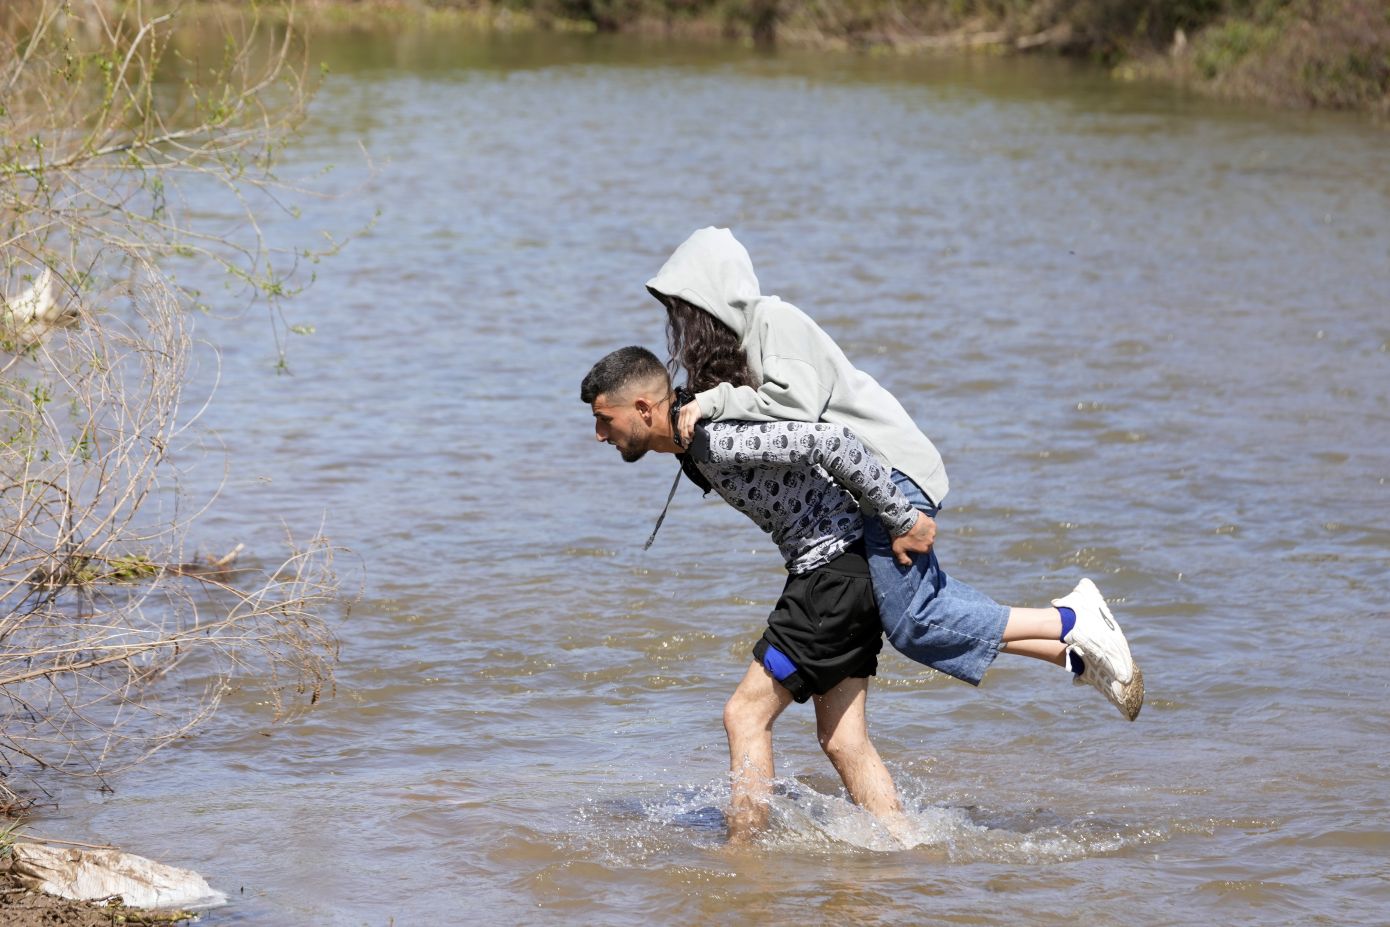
1333	54
23	907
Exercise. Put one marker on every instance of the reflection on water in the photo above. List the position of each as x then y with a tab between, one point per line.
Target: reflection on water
1150	336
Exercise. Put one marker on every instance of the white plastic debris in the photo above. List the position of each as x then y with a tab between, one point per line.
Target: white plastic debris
31	315
34	304
96	875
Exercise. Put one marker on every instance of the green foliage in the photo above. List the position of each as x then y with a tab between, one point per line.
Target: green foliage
85	571
128	569
9	836
1334	53
1224	46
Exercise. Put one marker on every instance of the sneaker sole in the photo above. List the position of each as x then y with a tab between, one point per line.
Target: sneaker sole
1132	695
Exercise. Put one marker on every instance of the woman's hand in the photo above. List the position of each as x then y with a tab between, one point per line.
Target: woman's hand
918	540
685	426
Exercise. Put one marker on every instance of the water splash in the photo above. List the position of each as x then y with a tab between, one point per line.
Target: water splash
633	831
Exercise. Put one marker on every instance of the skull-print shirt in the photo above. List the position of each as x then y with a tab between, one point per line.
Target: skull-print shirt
802	482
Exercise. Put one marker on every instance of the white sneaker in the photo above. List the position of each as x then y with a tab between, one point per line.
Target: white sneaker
1126	696
1096	636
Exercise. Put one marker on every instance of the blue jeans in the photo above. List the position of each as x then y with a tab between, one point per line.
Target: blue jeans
928	616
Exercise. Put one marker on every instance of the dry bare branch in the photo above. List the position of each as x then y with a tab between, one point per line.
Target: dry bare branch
112	644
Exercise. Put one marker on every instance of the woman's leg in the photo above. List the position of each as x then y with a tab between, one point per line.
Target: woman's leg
938	621
1054	652
1043	624
1037	633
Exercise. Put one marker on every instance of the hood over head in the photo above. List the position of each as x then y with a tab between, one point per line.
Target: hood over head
713	271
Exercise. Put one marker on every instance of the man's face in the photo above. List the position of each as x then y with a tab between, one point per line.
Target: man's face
620	423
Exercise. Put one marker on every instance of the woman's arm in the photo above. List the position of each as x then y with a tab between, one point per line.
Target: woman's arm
790	391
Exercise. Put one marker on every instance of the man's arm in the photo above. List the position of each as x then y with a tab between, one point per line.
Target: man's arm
834	448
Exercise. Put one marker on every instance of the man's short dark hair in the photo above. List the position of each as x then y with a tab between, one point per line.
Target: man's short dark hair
621	369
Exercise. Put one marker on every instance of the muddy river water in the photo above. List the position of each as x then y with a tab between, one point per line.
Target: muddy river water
1149	333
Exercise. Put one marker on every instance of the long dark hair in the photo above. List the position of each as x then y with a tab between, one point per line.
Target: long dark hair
706	348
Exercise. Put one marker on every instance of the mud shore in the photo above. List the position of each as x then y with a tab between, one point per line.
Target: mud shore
21	907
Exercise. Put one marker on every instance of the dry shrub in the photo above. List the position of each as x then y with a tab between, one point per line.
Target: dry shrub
111	644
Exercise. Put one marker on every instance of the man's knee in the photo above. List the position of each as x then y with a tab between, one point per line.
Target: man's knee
733	716
842	746
744	715
843	735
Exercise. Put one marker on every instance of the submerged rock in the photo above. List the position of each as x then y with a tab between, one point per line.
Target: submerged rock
95	875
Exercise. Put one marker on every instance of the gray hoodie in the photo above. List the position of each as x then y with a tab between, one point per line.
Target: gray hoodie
805	376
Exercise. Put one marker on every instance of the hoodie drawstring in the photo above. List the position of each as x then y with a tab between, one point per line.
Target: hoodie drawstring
662	517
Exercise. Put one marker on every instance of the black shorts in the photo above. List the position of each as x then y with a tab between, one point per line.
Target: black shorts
826	623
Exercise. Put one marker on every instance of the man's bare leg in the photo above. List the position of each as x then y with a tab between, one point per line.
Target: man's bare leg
748	717
843	730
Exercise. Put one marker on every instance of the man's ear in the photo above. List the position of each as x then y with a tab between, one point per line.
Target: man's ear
644	407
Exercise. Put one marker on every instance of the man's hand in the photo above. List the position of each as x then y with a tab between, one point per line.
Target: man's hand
918	540
690	414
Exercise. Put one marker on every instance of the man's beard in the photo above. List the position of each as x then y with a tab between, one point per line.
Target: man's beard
632	455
